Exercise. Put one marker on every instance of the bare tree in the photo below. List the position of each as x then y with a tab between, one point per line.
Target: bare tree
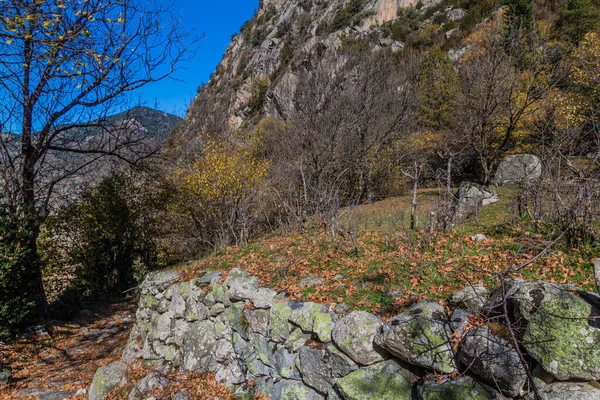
64	66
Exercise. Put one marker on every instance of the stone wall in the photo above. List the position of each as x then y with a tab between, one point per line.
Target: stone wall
258	342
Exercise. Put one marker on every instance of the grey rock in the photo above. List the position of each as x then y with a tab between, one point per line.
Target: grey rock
105	379
241	284
311	281
164	328
339	363
198	347
133	350
177	305
195	310
231	373
294	390
471	298
314	368
470	198
217	309
493	360
150	382
5	377
263	298
517	169
280	326
323	326
296	339
159	281
185	395
285	362
478	238
304	314
258	321
354	335
209	277
387	380
463	388
420	336
341	309
459	321
568	391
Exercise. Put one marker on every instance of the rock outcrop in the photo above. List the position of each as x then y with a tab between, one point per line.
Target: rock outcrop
292	350
519	168
470	199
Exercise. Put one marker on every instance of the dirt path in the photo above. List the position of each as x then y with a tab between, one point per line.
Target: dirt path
59	362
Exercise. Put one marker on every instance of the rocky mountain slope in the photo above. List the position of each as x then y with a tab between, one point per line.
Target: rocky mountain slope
260	70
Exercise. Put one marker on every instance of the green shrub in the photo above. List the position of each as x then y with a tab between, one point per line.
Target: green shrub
347	16
19	266
108	236
258	92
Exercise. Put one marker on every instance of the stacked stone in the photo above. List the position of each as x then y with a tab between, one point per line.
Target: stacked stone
257	341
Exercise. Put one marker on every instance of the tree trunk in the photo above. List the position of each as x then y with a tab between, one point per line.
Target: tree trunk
413	208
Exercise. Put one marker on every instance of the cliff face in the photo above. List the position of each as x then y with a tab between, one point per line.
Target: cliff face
259	71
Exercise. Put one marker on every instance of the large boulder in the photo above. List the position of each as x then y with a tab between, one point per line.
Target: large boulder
420	336
493	360
568	391
463	388
470	198
559	328
387	380
354	335
293	390
518	168
105	379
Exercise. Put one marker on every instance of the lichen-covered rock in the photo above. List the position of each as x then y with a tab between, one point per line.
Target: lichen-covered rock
568	391
304	314
322	326
470	198
493	360
339	363
310	281
231	373
258	321
280	326
464	388
241	284
263	298
471	298
105	379
557	329
198	347
387	380
209	277
354	335
420	336
133	348
285	363
149	383
157	282
518	168
597	273
293	390
164	328
315	370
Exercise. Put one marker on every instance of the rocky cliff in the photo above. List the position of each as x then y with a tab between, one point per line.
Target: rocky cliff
260	70
258	343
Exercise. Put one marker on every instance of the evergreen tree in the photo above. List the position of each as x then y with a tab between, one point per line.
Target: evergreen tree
578	18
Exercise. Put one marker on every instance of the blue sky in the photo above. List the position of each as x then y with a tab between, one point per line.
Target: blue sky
217	20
